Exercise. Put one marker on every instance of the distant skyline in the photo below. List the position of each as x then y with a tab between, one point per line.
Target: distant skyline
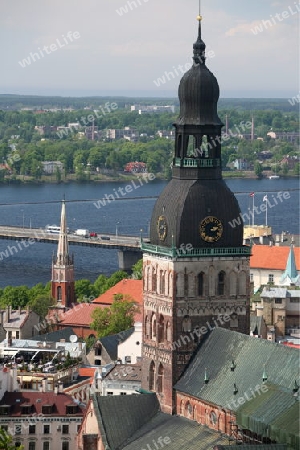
141	47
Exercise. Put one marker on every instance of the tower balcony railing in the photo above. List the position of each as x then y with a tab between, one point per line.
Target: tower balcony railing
194	162
174	252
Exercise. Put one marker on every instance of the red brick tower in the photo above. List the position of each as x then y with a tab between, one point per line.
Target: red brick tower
62	282
195	268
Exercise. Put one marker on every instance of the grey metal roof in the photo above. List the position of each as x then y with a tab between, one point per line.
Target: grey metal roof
110	343
252	447
251	357
183	434
54	336
274	292
119	417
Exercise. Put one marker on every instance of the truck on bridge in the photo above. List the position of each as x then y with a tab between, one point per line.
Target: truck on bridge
82	233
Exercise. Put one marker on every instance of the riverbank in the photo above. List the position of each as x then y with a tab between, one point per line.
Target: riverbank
119	177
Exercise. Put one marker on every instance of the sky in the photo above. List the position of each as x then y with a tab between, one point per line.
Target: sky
134	47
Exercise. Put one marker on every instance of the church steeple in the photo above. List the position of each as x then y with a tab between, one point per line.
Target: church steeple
290	274
62	282
195	267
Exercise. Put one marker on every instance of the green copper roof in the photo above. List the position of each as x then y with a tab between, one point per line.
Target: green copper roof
251	356
291	270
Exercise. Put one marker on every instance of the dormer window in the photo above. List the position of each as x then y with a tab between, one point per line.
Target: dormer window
26	408
72	409
4	410
47	409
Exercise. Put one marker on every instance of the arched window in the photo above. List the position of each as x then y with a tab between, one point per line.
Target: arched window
221	283
168	332
147	327
201	284
152	376
162	282
191	285
160	379
154	280
161	329
68	295
233	284
242	283
186	324
188	409
153	326
182	407
180	285
59	293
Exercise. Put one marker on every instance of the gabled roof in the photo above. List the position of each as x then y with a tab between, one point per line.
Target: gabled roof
182	434
126	372
17	318
272	257
110	343
54	336
37	400
133	288
80	315
129	412
251	357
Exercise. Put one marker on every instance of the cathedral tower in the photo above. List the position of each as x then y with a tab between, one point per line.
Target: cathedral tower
195	269
62	282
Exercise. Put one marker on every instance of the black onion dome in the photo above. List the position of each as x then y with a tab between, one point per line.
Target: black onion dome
199	91
198	95
184	204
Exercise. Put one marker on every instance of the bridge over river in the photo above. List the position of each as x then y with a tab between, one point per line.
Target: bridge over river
129	247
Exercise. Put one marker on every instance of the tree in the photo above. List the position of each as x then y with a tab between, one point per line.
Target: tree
41	304
258	169
6	441
84	289
137	270
118	317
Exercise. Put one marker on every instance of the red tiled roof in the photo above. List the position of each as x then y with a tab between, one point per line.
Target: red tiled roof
266	257
134	288
87	371
80	315
37	400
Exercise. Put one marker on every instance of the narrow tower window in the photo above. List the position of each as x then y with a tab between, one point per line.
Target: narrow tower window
151	376
201	284
160	379
221	283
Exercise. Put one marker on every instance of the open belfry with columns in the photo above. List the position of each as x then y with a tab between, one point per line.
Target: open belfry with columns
195	268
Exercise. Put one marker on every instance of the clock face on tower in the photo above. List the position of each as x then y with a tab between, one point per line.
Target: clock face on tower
162	228
211	229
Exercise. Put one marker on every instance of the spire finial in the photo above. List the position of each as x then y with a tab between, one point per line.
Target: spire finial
199	46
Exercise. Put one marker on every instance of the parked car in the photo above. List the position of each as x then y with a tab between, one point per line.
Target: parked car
105	238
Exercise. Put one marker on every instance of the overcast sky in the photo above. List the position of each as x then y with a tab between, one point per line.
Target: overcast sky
124	52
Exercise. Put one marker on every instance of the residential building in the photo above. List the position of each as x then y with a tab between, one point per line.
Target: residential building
41	420
120	379
18	323
290	136
135	167
280	308
276	265
126	133
51	167
167	134
124	347
153	109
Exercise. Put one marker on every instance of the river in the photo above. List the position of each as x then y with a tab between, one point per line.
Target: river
39	205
